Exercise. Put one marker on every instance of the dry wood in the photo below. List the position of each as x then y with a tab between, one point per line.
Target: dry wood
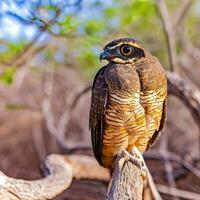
61	171
128	183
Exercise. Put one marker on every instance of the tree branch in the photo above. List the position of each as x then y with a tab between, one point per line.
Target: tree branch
169	34
181	14
60	170
178	193
127	181
187	94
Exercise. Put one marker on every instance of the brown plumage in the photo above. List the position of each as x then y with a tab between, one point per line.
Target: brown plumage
128	104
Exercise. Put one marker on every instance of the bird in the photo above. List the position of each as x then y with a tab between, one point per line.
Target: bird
128	101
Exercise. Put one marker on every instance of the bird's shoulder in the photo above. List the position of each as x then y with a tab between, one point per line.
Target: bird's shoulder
122	77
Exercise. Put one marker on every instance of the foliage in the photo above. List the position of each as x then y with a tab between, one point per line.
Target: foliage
83	28
7	76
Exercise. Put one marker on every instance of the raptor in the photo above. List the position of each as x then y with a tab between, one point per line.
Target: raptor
128	103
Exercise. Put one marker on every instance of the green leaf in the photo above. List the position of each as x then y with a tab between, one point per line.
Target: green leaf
94	26
8	75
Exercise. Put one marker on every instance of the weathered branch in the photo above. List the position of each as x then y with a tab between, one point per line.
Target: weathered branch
61	170
128	181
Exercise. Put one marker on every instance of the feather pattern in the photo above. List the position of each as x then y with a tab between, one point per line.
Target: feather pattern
98	103
128	107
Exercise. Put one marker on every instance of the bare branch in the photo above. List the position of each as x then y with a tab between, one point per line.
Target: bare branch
61	170
178	193
30	49
187	94
168	167
181	14
38	136
174	158
127	180
169	34
59	129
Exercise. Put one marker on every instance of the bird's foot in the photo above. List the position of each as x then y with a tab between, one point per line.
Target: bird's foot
136	158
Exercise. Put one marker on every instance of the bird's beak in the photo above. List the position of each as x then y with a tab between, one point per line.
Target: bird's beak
104	55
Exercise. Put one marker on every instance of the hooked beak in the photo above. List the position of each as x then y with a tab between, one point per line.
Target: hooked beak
104	55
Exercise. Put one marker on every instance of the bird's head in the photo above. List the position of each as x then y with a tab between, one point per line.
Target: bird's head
123	50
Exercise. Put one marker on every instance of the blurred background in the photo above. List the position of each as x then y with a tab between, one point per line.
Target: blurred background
49	54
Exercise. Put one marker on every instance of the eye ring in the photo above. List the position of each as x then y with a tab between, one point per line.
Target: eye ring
126	49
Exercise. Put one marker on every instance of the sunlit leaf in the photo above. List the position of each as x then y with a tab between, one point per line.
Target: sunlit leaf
8	75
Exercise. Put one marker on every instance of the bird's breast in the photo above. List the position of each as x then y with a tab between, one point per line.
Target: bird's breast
122	79
120	107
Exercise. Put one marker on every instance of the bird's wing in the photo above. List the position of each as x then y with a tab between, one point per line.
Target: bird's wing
97	110
155	108
162	122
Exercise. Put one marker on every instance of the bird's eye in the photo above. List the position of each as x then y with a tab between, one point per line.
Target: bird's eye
126	50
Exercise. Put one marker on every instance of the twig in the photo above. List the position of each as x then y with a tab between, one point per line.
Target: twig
80	95
175	158
168	167
30	50
182	13
154	192
38	137
178	193
169	34
75	147
59	129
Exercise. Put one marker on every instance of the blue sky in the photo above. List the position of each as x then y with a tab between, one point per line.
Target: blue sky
13	30
10	28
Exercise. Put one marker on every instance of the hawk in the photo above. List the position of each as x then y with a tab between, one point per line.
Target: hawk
128	103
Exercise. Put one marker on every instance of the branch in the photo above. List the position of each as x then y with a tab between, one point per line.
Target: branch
178	193
30	49
61	170
167	164
169	34
154	155
190	96
58	130
182	13
187	94
127	181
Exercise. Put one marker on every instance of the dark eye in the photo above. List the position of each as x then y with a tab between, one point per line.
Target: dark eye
126	50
